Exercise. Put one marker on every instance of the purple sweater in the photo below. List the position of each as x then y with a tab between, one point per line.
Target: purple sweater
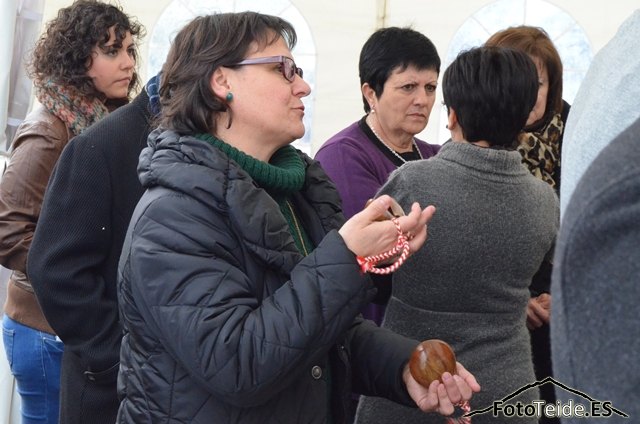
358	167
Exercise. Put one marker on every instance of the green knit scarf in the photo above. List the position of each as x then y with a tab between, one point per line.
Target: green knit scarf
282	176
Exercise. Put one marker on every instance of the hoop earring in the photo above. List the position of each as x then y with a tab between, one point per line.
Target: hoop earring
230	120
229	97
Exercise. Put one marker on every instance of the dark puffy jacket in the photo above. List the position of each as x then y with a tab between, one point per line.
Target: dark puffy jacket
225	322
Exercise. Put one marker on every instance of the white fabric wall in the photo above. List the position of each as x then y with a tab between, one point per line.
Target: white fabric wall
24	19
7	26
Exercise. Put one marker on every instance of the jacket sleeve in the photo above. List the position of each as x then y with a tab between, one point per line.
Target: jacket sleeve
198	299
33	156
378	357
352	173
71	243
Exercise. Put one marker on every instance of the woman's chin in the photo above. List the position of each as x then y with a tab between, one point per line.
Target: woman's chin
298	135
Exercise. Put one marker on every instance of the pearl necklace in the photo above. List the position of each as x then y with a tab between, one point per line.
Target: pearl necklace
415	146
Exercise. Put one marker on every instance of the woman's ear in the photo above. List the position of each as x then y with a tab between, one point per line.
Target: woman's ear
220	83
453	126
452	119
369	94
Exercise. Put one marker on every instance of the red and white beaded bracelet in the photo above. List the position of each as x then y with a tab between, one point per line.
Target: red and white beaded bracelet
466	408
368	264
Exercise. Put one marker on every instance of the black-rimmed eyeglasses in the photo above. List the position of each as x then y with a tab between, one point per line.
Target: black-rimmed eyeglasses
289	68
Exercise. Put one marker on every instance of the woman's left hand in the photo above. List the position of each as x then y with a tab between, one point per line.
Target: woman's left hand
442	397
365	235
538	311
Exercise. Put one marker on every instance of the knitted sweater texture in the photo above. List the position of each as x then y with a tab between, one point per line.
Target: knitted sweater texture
468	285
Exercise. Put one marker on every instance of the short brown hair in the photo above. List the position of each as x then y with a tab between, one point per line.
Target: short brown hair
189	105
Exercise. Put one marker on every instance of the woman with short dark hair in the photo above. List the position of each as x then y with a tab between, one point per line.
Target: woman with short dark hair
469	284
399	70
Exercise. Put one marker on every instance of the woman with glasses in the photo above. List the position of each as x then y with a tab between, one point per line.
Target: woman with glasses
239	285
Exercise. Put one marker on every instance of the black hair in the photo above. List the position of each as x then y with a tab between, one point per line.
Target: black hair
391	48
492	91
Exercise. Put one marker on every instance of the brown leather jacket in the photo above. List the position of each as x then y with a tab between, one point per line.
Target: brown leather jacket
35	150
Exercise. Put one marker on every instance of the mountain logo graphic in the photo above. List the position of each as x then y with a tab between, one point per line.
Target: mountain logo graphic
595	408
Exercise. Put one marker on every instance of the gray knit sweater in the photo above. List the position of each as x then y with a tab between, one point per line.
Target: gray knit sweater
468	285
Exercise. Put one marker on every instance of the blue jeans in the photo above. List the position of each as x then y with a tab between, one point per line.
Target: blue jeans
34	358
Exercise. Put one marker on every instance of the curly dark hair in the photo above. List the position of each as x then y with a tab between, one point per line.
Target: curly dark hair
63	52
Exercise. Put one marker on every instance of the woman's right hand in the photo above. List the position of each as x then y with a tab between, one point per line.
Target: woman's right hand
365	235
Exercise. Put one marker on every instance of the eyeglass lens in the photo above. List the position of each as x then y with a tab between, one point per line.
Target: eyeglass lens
289	69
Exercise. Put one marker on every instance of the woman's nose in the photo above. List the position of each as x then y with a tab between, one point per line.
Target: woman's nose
301	88
422	97
128	61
